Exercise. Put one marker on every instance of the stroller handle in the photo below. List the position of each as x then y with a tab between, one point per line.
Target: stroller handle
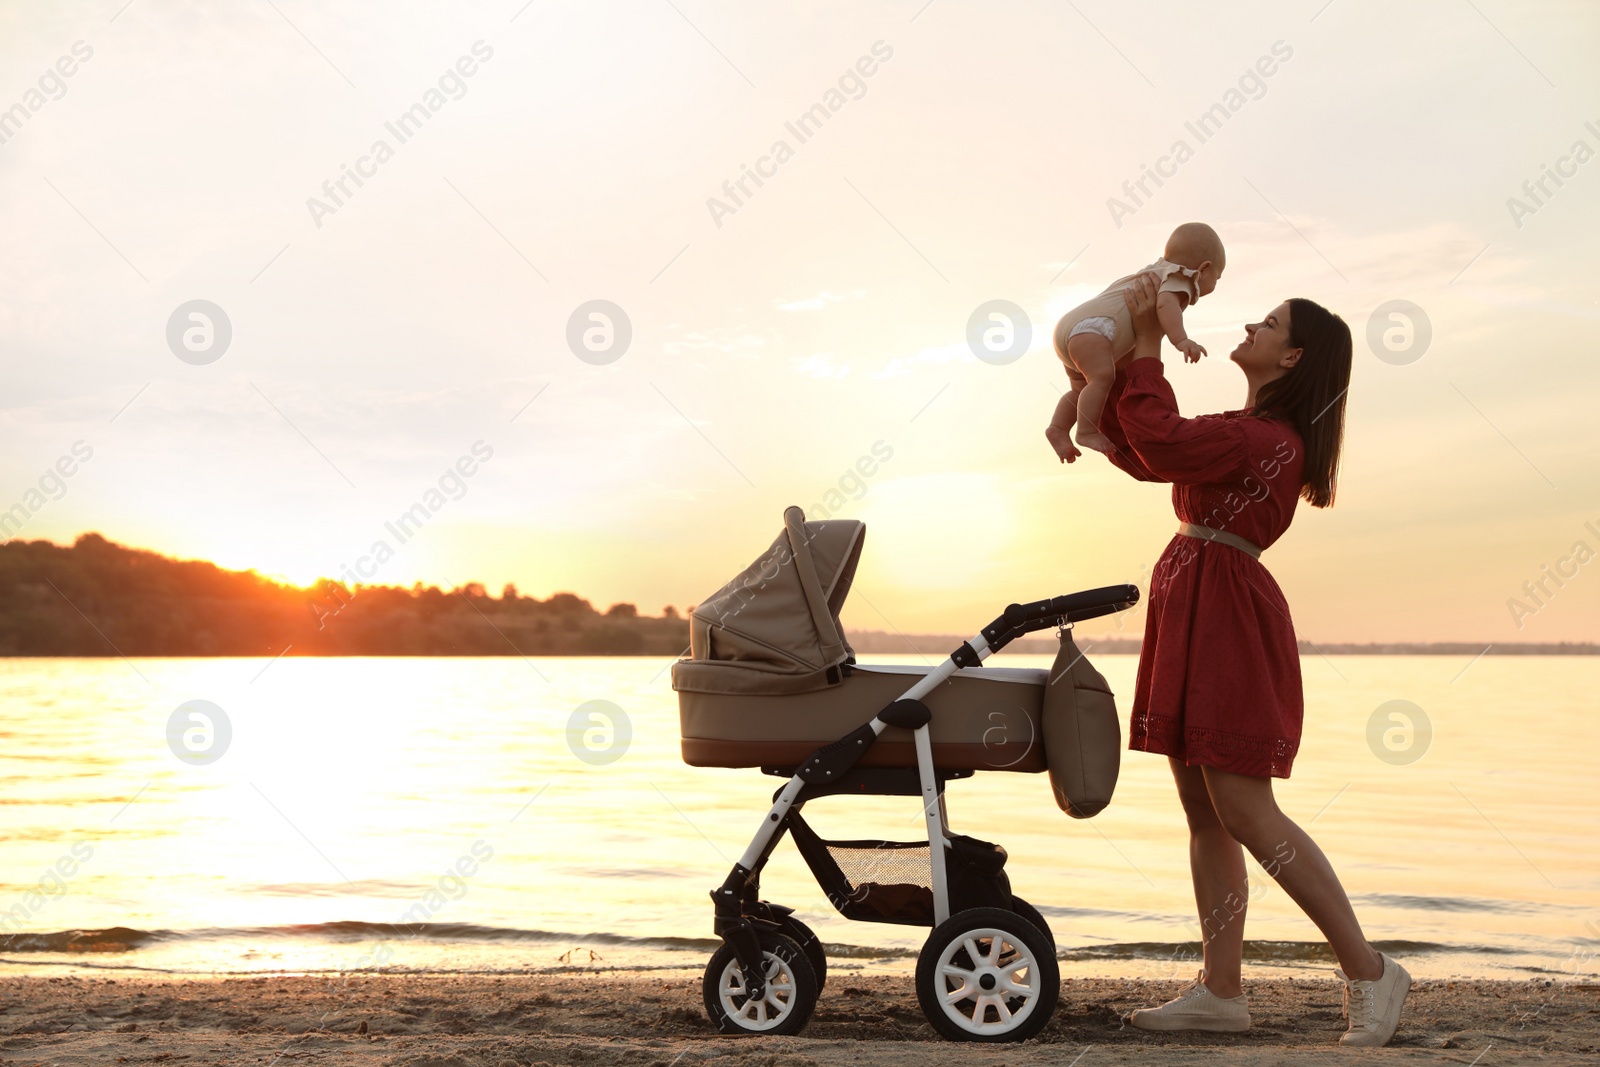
1019	619
1074	606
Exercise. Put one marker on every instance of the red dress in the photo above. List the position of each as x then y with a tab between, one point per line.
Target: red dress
1219	670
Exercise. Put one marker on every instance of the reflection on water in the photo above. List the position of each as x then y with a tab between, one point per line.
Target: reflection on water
443	795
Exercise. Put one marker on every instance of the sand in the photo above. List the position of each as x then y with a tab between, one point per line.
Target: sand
608	1018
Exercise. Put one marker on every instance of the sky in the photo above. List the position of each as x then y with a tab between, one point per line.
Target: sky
419	338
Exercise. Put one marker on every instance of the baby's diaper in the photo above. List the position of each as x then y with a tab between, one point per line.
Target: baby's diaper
1103	325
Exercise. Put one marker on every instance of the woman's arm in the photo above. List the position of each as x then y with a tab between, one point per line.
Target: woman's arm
1164	445
1122	455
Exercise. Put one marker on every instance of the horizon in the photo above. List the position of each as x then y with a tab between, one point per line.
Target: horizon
265	352
1126	635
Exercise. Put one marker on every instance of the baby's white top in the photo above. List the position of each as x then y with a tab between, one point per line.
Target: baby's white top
1174	278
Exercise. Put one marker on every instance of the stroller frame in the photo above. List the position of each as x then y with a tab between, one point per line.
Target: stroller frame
741	918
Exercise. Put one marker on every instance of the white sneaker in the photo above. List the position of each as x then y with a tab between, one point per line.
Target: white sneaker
1195	1008
1374	1005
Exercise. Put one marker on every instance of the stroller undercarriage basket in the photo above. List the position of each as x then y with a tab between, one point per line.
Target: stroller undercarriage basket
891	881
772	681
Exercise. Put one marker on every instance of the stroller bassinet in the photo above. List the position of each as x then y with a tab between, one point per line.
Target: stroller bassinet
771	682
984	718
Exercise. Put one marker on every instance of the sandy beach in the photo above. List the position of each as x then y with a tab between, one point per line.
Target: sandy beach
652	1021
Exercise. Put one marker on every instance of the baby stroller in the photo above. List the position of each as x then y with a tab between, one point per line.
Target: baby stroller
771	683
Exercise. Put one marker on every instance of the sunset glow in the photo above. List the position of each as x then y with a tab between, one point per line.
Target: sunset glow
376	338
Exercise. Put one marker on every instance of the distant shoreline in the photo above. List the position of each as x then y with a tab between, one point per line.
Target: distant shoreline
874	644
99	599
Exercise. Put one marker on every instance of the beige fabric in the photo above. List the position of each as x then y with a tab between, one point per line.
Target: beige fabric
984	718
775	628
1206	533
1174	279
1082	737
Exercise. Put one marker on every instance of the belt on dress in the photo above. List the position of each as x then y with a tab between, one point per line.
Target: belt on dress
1206	533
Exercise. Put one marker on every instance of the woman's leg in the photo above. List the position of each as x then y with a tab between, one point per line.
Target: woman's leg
1216	862
1250	813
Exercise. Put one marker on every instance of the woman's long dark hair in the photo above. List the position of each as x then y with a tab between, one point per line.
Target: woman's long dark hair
1311	394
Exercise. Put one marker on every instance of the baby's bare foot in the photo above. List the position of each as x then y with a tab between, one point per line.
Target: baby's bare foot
1095	440
1061	440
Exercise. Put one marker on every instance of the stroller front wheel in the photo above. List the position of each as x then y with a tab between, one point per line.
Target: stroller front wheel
987	975
811	944
791	989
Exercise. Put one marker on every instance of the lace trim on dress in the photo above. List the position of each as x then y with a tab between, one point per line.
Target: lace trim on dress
1236	753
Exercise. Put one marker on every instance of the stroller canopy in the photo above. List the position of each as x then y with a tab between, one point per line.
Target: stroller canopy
775	628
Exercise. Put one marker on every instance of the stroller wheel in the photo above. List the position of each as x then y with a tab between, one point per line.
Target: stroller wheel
986	974
1031	913
811	945
791	991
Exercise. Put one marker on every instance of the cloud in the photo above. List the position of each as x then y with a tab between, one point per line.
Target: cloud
730	340
821	365
820	301
901	366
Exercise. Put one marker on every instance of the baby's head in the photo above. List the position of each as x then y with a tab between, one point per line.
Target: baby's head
1197	246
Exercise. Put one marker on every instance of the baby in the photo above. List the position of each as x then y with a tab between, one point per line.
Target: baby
1096	337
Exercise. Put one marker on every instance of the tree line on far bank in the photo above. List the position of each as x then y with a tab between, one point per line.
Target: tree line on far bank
97	598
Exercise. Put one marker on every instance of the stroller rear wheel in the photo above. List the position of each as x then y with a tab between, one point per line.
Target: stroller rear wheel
790	996
986	974
811	944
1031	913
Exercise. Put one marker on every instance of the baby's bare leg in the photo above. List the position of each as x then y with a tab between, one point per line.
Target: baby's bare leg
1098	363
1059	432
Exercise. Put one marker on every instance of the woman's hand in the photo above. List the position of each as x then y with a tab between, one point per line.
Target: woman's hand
1140	296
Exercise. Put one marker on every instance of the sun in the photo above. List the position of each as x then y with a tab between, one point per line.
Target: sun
284	564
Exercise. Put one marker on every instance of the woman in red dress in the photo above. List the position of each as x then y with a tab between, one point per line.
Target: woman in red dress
1218	688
